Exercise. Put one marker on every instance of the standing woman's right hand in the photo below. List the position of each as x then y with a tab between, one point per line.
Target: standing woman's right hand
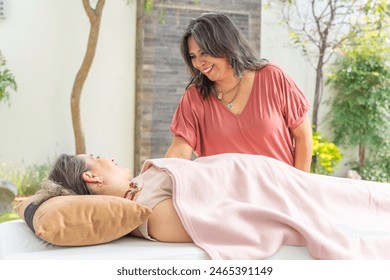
179	148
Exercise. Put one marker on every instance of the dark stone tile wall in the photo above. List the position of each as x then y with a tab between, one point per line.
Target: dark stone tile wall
161	76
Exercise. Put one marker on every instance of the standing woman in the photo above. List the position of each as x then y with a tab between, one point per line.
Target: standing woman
236	102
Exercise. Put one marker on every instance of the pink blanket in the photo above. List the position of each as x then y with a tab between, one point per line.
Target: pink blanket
238	206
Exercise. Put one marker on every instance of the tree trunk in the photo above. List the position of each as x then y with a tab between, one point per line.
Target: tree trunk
323	29
362	155
94	15
318	87
317	95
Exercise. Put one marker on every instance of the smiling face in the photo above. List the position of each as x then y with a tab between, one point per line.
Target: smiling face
104	177
217	69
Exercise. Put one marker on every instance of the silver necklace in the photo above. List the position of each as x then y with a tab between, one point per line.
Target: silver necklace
220	94
230	104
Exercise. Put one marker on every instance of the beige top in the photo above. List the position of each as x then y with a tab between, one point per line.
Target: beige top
157	186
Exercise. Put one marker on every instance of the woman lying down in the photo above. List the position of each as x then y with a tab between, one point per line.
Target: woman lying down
238	206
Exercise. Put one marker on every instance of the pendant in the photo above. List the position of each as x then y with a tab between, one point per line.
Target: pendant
230	106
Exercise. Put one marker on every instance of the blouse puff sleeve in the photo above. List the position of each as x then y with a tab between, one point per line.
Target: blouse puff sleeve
294	103
185	121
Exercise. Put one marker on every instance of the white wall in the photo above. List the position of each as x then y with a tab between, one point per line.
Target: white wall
44	42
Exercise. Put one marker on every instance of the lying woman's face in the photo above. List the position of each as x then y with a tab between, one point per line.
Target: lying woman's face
112	175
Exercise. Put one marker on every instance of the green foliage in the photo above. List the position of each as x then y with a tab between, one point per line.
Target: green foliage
327	155
9	216
148	5
374	30
7	80
376	171
377	166
360	114
27	179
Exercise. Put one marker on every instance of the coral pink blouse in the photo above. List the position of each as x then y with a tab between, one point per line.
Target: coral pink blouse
275	107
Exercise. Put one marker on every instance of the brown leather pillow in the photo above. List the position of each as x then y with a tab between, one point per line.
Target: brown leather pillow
78	220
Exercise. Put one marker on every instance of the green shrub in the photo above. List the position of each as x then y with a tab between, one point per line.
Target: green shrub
327	155
27	179
376	171
360	112
377	166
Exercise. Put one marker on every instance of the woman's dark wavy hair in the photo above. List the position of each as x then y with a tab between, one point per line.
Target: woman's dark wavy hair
67	172
217	35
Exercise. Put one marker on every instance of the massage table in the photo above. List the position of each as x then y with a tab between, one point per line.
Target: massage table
17	242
